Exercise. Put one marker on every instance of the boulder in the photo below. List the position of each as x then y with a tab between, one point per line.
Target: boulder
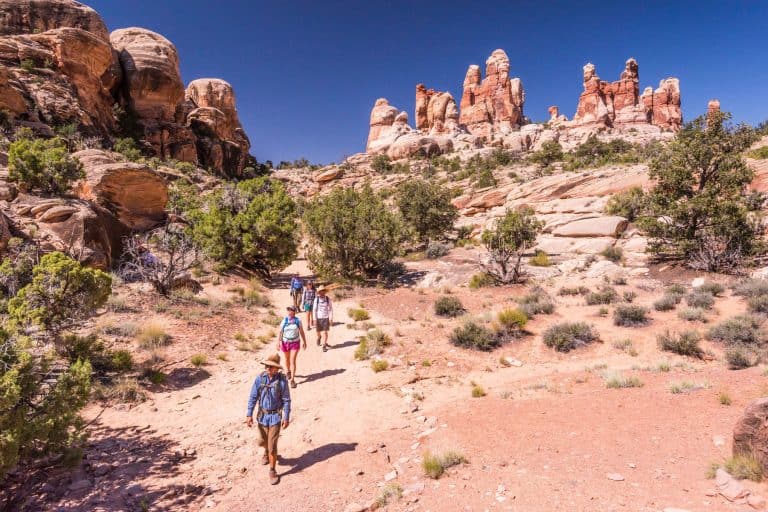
30	17
329	175
152	83
135	193
611	226
562	245
436	111
382	117
750	435
489	199
81	229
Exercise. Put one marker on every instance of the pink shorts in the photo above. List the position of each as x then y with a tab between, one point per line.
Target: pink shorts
288	346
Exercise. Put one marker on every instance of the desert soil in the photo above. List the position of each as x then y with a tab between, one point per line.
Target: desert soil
547	436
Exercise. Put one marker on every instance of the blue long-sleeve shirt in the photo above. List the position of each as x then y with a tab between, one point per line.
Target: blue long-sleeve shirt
274	396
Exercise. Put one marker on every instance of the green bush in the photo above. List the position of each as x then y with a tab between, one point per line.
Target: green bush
699	208
611	253
667	302
739	330
621	382
630	315
685	343
379	365
358	314
758	304
426	207
551	151
714	289
759	153
44	165
16	268
739	357
352	234
381	164
573	290
90	348
692	314
596	153
606	295
62	293
121	361
700	300
744	467
752	287
436	250
198	360
628	204
512	319
480	280
250	224
506	242
449	307
541	259
676	289
152	336
434	466
567	336
373	343
127	147
474	336
537	302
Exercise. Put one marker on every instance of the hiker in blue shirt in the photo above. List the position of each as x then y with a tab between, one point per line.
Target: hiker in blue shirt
297	287
270	393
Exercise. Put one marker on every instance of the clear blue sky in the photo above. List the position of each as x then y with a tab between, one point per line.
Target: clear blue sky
306	73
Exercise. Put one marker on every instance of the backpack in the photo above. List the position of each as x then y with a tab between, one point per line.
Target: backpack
264	383
291	329
296	284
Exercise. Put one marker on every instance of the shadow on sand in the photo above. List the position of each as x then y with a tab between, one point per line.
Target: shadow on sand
319	454
321	375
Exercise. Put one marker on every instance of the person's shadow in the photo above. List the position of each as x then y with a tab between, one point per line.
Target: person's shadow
322	374
315	455
348	343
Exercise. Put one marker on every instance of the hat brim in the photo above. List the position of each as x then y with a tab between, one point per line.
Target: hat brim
273	364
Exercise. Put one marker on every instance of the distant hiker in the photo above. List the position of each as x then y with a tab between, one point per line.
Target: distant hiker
271	395
297	286
308	300
288	341
323	310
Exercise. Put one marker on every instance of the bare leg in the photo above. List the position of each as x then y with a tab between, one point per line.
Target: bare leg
294	354
272	460
288	362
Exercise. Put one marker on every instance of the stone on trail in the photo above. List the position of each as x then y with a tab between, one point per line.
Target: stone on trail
730	488
757	502
616	477
355	507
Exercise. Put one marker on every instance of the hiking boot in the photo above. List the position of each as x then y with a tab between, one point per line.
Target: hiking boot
264	460
293	383
318	343
288	375
325	348
273	478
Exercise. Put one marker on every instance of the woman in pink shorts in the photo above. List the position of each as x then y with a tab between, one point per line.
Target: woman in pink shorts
291	333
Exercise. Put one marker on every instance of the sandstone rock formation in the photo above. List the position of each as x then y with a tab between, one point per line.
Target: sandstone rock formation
134	193
750	435
382	118
28	17
436	112
493	104
391	134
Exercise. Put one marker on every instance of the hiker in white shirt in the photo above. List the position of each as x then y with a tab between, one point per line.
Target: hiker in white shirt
323	311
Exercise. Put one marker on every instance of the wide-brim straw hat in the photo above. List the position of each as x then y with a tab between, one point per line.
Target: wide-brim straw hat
322	288
273	360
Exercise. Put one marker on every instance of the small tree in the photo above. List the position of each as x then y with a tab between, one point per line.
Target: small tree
43	164
252	224
352	234
161	258
699	209
426	207
510	237
62	293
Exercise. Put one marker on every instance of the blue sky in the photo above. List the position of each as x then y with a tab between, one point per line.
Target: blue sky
306	73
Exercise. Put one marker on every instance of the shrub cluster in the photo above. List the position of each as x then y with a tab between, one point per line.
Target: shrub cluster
567	336
537	302
449	307
373	343
426	207
606	295
685	343
627	315
475	336
44	165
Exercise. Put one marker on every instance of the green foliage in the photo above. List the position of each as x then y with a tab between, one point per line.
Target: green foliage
606	295
426	207
61	294
16	268
152	336
449	307
373	343
611	253
744	467
474	336
540	259
712	288
358	314
43	164
739	357
436	250
183	198
90	348
381	164
758	304
250	224
434	466
480	280
537	302
667	302
627	315
389	491
198	360
28	65
126	146
693	314
512	319
628	204
596	153
567	336
685	343
752	287
739	330
379	365
701	300
760	153
506	242
352	234
573	290
621	382
698	210
550	152
479	168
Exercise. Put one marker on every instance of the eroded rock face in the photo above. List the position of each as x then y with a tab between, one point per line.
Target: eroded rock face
34	16
391	134
79	228
382	117
436	112
750	435
152	82
134	193
493	104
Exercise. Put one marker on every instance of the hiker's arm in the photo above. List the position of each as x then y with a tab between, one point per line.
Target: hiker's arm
286	395
303	336
252	402
330	311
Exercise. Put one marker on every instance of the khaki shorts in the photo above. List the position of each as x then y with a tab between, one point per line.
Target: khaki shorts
269	437
323	324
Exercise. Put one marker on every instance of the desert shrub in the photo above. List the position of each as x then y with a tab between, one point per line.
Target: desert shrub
625	345
540	259
551	151
373	343
667	302
389	491
358	314
628	204
44	165
724	398
758	304
744	467
381	164
630	315
434	466
685	343
567	336
506	242
714	289
676	289
251	224
629	296
480	280
537	302
123	390
121	361
474	336
573	290
698	210
760	153
449	307
612	253
594	152
198	360
478	391
512	319
739	330
752	287
16	268
151	336
426	207
606	295
692	314
436	250
700	300
352	234
61	294
90	348
621	381
379	365
127	147
739	357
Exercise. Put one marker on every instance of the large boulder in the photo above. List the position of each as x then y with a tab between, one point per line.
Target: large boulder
134	193
35	16
593	227
750	435
82	229
152	82
382	117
